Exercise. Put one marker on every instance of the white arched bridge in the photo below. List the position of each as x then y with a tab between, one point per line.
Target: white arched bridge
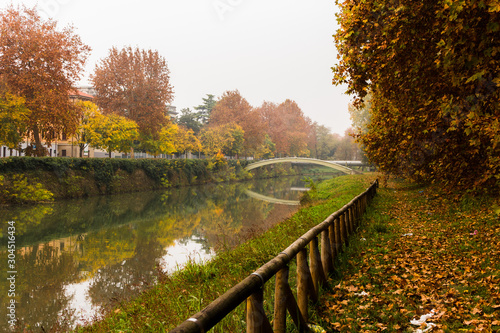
331	164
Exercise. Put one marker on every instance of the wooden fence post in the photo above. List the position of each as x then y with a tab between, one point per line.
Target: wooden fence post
362	208
318	275
257	321
333	242
303	284
351	219
280	300
340	233
357	212
326	253
345	232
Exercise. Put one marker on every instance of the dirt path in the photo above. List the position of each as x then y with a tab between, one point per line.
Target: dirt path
421	264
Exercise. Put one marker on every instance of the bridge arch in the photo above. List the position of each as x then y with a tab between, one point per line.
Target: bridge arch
328	164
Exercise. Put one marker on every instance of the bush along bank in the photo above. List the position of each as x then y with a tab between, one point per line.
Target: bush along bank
33	179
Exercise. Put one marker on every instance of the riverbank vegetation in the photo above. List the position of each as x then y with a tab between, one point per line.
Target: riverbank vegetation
25	180
185	292
29	180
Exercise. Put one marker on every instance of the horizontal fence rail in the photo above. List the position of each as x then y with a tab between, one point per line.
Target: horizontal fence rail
333	232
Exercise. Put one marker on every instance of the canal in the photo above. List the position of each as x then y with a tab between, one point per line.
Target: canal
75	258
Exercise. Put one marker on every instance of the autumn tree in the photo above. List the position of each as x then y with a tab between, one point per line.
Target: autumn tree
186	140
360	114
347	149
287	127
432	68
134	83
227	138
41	64
272	124
233	108
112	133
82	135
162	143
326	142
211	141
14	116
266	149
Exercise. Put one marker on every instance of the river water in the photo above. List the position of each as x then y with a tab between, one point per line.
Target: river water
75	258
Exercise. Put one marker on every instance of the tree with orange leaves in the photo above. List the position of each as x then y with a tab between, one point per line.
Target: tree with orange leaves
41	64
287	127
134	83
233	108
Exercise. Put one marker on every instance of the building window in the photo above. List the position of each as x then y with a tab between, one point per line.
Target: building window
50	152
63	152
64	136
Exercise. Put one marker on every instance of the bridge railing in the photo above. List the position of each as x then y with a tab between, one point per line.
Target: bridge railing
329	164
334	234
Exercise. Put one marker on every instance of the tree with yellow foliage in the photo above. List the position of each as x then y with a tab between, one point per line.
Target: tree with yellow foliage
14	117
112	133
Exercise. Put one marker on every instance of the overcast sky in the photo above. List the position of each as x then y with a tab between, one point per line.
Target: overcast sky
269	50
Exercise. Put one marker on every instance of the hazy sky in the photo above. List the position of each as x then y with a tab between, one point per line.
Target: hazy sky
269	50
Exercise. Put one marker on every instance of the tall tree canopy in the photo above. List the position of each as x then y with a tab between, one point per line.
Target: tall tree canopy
233	108
134	83
287	126
205	109
41	64
326	142
190	120
433	69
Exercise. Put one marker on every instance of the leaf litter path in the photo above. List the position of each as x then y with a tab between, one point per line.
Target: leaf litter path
420	263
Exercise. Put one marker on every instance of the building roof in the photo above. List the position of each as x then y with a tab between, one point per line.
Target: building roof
80	95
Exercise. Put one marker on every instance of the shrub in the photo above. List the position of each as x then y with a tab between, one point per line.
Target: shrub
21	191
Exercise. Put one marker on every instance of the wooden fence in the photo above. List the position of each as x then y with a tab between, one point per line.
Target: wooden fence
333	232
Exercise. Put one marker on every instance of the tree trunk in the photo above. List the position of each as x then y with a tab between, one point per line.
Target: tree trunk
39	150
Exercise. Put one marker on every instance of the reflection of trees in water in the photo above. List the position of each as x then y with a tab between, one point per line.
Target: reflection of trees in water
126	279
124	236
235	218
106	247
43	272
26	218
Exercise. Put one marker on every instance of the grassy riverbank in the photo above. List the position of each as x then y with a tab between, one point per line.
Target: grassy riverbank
180	295
417	252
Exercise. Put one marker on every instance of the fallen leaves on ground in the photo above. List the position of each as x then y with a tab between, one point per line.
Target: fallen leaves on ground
433	255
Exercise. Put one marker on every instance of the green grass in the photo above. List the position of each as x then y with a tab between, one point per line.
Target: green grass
184	293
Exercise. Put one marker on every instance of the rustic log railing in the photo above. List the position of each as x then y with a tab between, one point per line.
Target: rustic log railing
334	232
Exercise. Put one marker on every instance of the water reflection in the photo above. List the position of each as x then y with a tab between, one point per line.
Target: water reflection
77	257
